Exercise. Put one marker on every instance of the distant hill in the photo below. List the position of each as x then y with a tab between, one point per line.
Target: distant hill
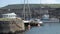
55	9
18	6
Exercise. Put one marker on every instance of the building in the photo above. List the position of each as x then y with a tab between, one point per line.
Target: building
9	15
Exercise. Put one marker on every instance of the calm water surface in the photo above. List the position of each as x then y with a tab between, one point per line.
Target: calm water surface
48	28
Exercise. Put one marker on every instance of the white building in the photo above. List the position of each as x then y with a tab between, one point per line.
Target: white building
9	15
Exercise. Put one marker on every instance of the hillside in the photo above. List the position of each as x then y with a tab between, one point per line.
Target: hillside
18	6
18	9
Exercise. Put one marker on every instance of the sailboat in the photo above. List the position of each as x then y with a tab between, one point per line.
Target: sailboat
26	20
30	20
38	20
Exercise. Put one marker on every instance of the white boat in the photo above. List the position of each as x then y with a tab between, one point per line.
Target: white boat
37	21
26	21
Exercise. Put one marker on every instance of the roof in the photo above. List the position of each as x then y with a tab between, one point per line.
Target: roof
9	14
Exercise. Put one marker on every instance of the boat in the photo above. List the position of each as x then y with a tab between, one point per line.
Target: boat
37	21
26	20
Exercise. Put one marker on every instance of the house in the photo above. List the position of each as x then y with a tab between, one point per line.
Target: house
9	15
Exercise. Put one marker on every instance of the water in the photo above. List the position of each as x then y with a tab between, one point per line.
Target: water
48	28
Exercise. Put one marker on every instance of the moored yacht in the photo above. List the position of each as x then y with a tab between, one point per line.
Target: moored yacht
37	21
26	21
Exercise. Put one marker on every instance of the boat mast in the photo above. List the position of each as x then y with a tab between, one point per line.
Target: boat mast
29	9
40	8
24	10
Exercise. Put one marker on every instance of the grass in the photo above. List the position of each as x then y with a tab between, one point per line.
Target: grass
5	19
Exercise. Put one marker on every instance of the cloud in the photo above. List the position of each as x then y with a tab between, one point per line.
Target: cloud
49	1
43	1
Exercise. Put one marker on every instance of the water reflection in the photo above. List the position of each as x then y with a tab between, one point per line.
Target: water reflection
48	28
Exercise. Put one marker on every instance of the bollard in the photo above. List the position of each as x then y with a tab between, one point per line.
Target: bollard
29	27
38	25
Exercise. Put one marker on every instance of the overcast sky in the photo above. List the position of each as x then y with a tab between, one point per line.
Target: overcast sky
7	2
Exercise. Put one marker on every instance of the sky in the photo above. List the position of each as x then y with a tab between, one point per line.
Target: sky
8	2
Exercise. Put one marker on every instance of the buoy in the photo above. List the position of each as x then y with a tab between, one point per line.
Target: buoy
29	27
38	25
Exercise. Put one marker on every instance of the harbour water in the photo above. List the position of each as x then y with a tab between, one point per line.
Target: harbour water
47	28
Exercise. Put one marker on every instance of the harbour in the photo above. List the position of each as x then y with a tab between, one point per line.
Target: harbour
12	24
29	18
